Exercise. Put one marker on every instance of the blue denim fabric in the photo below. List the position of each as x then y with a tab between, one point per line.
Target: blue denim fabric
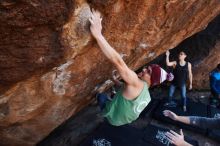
102	99
211	123
183	93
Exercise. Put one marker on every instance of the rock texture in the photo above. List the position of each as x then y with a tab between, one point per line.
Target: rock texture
202	51
201	71
30	37
49	63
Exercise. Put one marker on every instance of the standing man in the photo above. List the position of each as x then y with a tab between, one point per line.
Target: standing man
215	83
182	70
134	95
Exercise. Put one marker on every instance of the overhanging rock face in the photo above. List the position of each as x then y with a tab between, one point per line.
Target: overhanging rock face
49	63
202	70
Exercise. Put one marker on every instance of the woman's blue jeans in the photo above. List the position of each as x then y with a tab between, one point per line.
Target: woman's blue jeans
182	91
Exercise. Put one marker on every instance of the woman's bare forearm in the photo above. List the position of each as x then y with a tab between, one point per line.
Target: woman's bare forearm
108	51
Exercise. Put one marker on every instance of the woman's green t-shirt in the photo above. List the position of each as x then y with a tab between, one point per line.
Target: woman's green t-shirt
121	111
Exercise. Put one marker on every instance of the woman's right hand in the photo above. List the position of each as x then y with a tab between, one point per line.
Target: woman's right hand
96	23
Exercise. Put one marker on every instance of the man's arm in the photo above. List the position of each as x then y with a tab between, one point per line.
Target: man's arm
173	63
183	119
203	122
129	76
210	123
173	116
190	76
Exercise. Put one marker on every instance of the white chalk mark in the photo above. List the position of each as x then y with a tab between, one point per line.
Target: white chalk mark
143	45
62	79
151	54
123	55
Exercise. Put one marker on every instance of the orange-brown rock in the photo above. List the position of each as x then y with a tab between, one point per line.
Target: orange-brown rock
201	71
50	63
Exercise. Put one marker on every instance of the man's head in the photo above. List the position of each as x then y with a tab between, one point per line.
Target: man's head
155	75
182	55
145	74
